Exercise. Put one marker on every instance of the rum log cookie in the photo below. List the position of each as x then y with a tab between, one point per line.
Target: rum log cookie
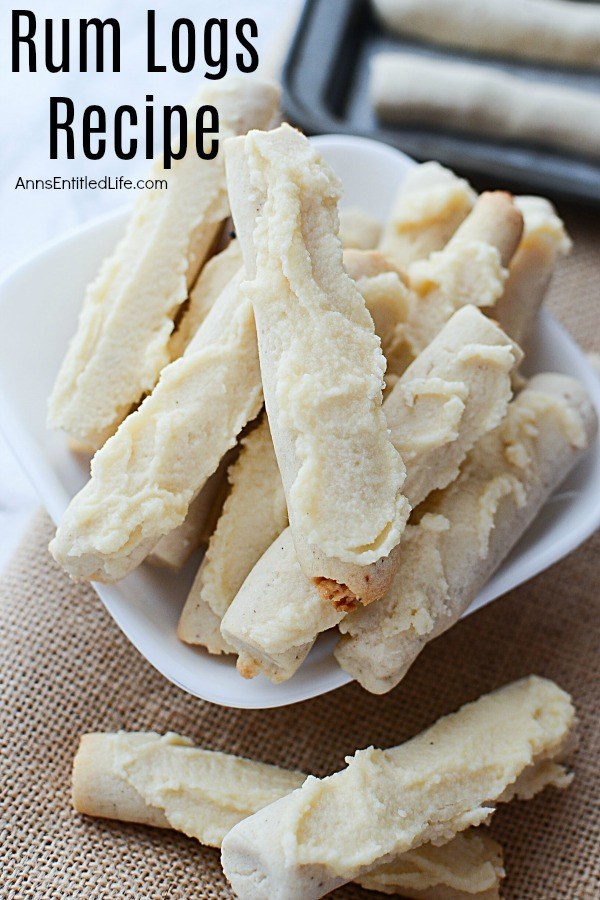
457	390
429	206
122	338
387	298
544	242
255	512
484	100
552	31
471	269
321	364
358	230
429	789
175	548
466	531
217	272
145	477
168	782
253	515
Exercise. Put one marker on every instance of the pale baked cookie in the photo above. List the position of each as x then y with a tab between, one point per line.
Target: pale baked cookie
275	617
145	477
358	230
175	548
387	298
254	514
471	269
167	782
469	867
457	390
544	242
321	364
553	31
483	100
212	279
429	206
451	776
468	529
198	624
122	339
367	264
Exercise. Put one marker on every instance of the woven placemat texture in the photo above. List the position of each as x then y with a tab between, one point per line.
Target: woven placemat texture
574	295
67	669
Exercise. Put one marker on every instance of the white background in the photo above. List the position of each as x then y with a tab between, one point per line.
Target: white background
30	219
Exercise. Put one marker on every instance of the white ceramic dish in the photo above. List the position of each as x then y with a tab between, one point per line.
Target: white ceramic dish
39	304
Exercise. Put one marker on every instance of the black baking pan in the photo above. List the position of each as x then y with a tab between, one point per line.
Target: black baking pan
325	90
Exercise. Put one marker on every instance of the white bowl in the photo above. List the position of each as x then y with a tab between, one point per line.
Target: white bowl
39	304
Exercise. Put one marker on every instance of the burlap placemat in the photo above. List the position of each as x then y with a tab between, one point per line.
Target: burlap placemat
66	669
